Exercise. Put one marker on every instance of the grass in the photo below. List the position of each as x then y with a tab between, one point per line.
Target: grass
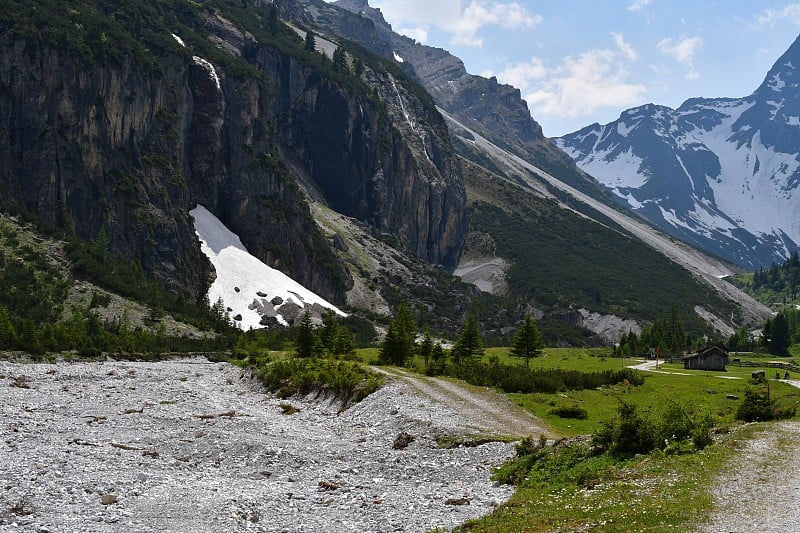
657	492
697	391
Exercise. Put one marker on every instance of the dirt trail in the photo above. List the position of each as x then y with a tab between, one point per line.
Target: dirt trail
759	490
489	410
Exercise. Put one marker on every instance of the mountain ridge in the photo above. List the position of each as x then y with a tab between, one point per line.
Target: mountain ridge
719	173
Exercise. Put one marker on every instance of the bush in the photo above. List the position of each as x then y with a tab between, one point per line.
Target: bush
570	412
348	381
674	430
515	378
757	406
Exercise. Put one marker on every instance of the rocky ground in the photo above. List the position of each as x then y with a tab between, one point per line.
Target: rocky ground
759	490
196	446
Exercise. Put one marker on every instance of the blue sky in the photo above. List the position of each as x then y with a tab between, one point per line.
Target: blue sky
581	61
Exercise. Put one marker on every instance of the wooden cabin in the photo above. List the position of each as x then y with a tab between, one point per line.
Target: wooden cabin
709	358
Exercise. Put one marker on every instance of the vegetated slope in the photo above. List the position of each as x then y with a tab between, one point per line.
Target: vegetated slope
123	116
47	302
720	173
532	211
775	286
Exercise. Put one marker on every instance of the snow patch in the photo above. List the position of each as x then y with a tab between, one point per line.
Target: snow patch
244	283
776	83
398	58
622	171
623	129
180	41
212	72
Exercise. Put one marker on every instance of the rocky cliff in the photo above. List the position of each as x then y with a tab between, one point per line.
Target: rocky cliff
495	110
125	127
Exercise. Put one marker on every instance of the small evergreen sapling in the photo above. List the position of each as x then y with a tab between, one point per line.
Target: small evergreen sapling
527	341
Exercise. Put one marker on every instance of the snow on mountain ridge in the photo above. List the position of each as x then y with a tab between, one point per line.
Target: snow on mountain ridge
723	173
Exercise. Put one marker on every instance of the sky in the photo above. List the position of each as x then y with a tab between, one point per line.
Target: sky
577	62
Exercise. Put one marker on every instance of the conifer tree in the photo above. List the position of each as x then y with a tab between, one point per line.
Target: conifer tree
305	341
339	59
398	346
527	342
311	41
469	344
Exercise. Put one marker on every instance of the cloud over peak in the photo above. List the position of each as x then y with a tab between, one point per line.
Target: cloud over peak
462	24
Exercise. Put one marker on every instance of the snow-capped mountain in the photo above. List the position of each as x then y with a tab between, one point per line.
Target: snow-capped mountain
722	173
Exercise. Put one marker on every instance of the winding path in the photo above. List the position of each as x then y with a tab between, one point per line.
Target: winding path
487	409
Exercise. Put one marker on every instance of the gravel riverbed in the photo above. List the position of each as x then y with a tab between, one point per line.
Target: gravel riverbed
197	446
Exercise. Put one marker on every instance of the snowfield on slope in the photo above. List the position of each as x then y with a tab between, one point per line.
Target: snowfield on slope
251	290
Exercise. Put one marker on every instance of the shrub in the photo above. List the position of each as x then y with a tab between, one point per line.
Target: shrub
570	412
348	381
757	406
515	378
675	430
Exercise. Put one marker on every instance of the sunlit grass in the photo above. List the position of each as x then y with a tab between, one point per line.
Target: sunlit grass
656	492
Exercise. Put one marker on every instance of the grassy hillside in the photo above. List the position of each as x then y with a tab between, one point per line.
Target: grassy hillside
562	260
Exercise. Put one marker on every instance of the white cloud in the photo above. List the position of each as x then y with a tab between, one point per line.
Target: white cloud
578	86
464	24
638	5
624	47
770	17
682	51
418	34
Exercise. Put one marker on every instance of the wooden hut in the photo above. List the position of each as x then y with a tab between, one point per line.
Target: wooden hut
709	358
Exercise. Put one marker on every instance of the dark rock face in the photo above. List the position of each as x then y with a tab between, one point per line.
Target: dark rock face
112	146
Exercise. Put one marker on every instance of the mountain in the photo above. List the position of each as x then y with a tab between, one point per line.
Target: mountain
121	118
722	174
364	166
501	145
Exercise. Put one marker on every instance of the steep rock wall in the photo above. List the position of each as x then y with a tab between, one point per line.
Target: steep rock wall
131	150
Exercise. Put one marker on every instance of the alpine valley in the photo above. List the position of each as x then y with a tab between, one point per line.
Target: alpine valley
297	154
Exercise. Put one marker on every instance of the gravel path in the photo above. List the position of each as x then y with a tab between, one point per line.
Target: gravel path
759	493
487	412
198	446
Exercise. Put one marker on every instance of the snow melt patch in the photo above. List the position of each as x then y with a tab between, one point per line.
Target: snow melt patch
179	40
398	58
212	72
242	279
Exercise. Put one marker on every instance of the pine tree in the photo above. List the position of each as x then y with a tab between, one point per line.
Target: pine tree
327	333
426	348
343	343
469	344
305	341
339	59
398	346
311	41
527	341
781	339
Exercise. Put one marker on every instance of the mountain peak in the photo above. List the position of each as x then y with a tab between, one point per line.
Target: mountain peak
784	73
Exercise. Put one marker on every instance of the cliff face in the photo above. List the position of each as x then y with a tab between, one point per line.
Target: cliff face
495	110
129	149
